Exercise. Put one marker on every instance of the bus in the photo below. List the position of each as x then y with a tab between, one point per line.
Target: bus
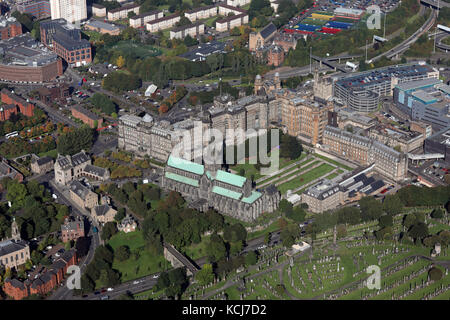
12	134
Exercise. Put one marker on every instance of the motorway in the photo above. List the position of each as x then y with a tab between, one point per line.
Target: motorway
408	42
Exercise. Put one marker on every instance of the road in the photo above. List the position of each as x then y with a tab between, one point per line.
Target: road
147	282
63	293
408	42
56	115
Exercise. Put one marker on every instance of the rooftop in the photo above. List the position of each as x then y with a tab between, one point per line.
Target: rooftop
102	25
24	50
185	165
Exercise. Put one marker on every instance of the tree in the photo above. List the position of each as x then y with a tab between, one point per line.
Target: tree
122	253
437	213
251	258
371	209
109	229
205	275
287	239
435	274
341	231
409	220
216	249
16	193
75	140
120	62
120	215
385	221
87	284
392	204
285	207
418	231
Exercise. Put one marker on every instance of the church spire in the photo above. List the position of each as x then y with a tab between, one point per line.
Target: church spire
15	234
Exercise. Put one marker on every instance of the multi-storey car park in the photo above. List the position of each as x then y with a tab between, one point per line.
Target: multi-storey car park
362	91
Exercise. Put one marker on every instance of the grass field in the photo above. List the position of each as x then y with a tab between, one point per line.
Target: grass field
52	153
141	261
292	170
197	250
141	50
337	163
305	178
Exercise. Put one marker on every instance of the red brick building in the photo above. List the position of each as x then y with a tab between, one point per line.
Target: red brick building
72	230
15	104
9	28
87	116
275	56
51	94
15	289
45	283
65	40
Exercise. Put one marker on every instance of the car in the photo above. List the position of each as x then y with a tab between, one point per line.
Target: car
104	298
156	276
103	291
110	289
97	293
84	296
57	254
136	282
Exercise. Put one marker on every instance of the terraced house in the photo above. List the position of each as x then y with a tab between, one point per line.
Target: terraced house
228	193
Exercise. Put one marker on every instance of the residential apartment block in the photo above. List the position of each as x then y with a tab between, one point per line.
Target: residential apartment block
201	13
230	22
193	30
37	8
98	10
70	10
162	23
237	3
122	12
140	20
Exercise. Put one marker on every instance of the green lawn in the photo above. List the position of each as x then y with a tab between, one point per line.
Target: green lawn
197	250
140	50
337	163
271	228
52	153
141	262
332	176
305	178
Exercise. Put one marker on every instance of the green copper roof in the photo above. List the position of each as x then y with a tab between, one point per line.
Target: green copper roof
253	197
182	179
226	192
185	165
230	178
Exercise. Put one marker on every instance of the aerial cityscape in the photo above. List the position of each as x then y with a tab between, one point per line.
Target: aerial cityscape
224	150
